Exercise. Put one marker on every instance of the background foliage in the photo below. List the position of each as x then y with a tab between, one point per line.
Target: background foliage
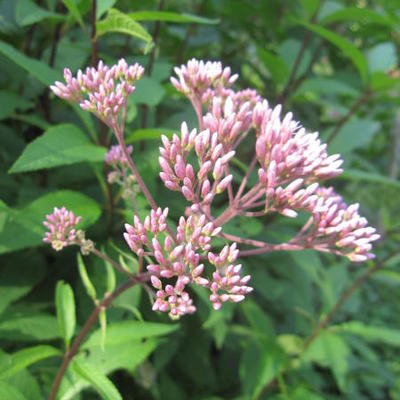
334	64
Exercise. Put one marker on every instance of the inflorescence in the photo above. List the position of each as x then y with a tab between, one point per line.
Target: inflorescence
290	164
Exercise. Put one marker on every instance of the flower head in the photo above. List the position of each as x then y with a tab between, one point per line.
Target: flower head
61	225
103	90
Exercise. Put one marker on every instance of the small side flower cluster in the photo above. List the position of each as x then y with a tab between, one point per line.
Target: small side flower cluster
180	262
290	156
339	227
120	173
103	90
61	225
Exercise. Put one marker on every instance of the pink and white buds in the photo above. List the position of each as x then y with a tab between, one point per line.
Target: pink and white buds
61	225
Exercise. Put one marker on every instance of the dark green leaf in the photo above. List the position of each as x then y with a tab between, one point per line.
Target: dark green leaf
348	49
99	381
65	307
37	69
13	363
169	16
63	144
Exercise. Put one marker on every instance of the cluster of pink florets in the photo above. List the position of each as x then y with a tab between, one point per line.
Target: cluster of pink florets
178	261
290	164
61	225
103	90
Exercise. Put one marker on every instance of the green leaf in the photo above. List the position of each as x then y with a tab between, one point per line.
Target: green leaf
10	392
355	134
103	6
63	144
111	279
373	334
65	307
126	331
9	102
39	70
148	134
28	13
74	11
331	351
24	228
90	290
382	57
275	64
127	356
357	175
148	91
99	381
103	327
119	22
260	364
17	281
13	363
356	14
169	16
28	327
348	49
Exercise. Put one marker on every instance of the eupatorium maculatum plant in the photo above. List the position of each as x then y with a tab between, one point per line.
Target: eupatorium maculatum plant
291	164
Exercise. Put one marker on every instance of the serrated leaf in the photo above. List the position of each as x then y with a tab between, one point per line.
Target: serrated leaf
169	16
13	363
39	70
119	22
126	331
87	283
347	48
63	144
65	308
99	381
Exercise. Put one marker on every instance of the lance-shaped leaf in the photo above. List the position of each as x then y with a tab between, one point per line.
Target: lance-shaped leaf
98	381
169	16
41	71
10	364
90	289
65	306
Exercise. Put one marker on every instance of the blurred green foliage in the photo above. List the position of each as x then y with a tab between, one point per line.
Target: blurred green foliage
334	64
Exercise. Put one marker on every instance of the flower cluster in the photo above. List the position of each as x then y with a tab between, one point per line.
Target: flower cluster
289	165
61	225
179	175
195	78
339	227
103	90
178	261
